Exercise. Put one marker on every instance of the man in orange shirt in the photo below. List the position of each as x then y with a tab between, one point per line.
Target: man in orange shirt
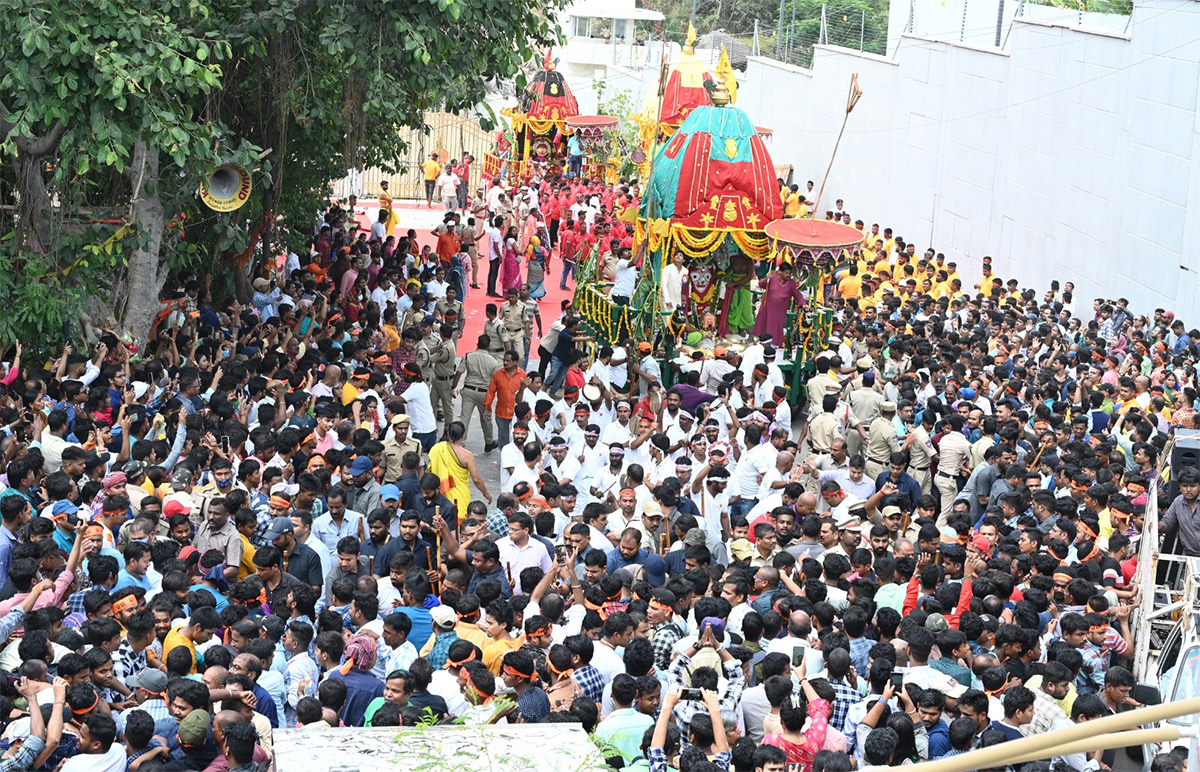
507	382
448	243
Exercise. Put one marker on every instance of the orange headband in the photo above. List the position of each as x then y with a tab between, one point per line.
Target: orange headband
1062	577
129	601
460	663
347	666
1084	527
89	708
1001	688
509	669
563	673
1098	629
592	606
538	632
1133	486
526	495
280	501
659	605
471	685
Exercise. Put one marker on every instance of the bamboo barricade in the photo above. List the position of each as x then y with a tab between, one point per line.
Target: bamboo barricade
1051	744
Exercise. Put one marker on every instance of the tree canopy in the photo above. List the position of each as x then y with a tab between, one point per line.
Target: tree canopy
112	114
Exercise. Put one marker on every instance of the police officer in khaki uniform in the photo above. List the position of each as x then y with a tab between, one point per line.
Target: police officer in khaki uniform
953	451
425	348
881	441
450	309
395	446
512	317
494	329
921	453
475	372
412	315
441	359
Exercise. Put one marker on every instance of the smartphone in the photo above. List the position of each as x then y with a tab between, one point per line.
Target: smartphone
797	656
225	444
897	679
562	552
693	695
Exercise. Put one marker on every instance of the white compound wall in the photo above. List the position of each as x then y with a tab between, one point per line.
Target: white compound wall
1072	154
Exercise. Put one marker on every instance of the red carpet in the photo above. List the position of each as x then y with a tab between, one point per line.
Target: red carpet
423	220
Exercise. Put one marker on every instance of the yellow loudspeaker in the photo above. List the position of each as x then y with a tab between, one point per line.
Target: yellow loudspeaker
227	189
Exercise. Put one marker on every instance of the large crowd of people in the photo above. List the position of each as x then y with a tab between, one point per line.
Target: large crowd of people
267	516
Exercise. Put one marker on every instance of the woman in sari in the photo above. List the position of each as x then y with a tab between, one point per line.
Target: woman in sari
535	270
510	276
455	466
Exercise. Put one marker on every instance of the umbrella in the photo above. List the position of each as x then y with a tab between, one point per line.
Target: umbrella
814	234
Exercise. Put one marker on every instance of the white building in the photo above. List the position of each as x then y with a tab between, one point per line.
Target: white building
604	33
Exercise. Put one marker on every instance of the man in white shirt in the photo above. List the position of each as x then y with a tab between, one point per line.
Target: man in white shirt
518	551
512	454
437	288
385	293
625	279
647	370
618	631
799	632
757	460
495	252
560	464
416	399
378	228
448	186
528	470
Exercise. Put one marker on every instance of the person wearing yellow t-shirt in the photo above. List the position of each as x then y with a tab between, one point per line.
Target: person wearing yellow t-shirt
246	523
850	287
889	243
793	202
988	283
202	625
391	336
432	169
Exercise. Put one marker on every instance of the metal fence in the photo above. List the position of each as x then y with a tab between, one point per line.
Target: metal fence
847	25
450	136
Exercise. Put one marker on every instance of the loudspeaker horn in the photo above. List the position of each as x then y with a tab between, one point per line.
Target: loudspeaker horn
227	188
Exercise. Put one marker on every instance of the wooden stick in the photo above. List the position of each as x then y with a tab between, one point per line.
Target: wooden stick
662	544
851	101
437	548
1036	458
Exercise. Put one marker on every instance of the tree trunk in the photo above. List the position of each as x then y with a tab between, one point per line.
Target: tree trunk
35	208
145	277
34	212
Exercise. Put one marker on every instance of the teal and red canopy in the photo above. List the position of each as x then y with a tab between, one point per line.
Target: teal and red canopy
714	174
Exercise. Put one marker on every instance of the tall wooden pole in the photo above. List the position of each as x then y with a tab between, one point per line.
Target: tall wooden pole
851	101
